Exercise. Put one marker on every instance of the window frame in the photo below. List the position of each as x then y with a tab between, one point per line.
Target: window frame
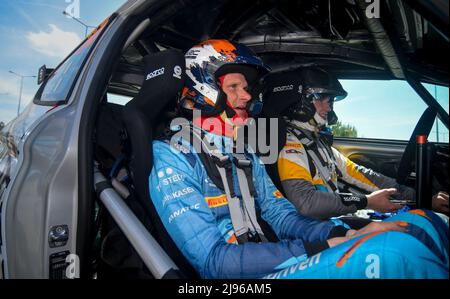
99	29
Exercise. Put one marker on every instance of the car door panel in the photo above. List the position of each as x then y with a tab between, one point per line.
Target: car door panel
382	156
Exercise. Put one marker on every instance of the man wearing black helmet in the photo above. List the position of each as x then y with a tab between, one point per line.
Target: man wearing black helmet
308	165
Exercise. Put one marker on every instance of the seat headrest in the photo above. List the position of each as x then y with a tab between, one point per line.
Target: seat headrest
163	80
281	90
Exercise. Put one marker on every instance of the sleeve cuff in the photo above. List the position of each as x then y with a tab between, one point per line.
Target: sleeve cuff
359	200
315	247
337	231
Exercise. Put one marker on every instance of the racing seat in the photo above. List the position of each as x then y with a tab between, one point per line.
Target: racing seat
163	80
108	133
272	108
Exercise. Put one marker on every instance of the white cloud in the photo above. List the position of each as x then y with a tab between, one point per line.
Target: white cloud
9	97
56	43
9	89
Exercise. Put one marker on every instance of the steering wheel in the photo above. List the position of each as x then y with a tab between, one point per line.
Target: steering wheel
423	127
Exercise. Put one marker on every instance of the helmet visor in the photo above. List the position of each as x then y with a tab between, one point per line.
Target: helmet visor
319	93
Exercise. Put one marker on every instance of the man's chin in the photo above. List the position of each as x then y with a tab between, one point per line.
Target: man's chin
241	116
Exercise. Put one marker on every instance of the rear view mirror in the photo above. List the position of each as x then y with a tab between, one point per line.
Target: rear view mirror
43	74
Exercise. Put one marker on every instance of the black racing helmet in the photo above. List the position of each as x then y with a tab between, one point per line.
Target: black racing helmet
292	93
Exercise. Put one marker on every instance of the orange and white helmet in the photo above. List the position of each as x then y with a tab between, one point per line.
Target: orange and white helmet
208	61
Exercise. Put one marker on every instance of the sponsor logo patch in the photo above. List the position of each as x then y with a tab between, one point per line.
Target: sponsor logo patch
177	72
183	210
216	201
172	179
294	145
168	177
308	263
177	194
350	198
278	194
283	88
155	73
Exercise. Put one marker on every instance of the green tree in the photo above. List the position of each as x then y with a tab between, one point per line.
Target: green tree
344	130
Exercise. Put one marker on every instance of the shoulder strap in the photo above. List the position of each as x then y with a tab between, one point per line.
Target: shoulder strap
312	150
329	152
218	165
312	167
245	179
208	164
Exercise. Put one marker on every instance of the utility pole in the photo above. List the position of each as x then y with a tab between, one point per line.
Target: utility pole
86	27
21	88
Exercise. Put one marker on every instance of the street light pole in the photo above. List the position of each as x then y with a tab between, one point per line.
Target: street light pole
21	88
86	27
20	95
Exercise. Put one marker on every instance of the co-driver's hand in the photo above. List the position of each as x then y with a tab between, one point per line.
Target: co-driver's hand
370	228
440	203
379	201
375	227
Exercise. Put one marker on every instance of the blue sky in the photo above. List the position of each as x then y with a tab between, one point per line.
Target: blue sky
387	109
34	33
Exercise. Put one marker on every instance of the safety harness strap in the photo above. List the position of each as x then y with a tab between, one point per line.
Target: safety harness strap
242	213
312	150
245	179
238	218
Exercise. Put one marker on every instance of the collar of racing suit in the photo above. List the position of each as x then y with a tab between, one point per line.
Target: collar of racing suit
220	124
304	125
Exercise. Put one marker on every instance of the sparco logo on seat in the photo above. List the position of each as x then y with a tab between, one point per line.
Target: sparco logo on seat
155	73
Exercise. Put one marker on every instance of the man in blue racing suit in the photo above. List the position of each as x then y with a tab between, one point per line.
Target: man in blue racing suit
222	239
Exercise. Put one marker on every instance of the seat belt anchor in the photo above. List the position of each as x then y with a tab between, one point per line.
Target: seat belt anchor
223	161
242	163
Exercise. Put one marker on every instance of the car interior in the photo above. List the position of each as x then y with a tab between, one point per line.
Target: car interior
286	35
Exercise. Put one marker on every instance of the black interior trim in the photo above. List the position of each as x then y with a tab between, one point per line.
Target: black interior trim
423	127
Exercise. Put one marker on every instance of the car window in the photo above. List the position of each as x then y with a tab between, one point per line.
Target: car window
58	86
384	110
118	99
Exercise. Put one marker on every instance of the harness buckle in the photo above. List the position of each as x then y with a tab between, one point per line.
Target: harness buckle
253	237
242	163
223	161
